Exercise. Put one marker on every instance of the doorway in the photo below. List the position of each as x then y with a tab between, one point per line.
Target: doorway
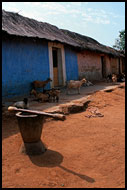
57	67
103	64
119	67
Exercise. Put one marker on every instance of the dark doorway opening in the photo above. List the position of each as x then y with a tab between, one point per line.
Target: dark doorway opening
103	67
119	66
55	66
55	59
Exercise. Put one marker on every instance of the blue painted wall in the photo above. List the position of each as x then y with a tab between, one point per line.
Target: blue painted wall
71	64
22	63
27	60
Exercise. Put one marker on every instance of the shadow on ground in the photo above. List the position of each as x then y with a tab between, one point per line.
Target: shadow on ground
53	159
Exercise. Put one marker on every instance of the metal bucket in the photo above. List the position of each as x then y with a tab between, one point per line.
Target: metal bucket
30	126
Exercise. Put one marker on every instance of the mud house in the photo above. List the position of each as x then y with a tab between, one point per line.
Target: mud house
96	61
33	50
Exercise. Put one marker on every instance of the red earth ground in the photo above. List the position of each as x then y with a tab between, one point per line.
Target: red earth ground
82	152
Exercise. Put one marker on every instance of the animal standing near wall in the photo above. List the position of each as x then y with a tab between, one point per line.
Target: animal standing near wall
116	78
40	84
75	85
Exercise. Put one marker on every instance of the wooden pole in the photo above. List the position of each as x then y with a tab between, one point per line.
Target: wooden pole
56	116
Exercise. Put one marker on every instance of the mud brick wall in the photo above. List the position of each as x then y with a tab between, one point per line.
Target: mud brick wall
108	65
89	65
115	65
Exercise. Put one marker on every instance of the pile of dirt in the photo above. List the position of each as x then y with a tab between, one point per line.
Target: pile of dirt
102	99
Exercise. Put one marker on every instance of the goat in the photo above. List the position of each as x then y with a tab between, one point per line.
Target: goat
114	78
40	96
121	77
53	94
75	84
22	104
111	78
40	84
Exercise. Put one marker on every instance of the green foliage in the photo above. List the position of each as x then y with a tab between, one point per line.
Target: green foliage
120	42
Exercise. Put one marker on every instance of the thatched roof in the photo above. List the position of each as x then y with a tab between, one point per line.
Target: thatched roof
88	43
15	24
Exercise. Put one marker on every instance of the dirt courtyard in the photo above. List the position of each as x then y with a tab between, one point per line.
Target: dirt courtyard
82	151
